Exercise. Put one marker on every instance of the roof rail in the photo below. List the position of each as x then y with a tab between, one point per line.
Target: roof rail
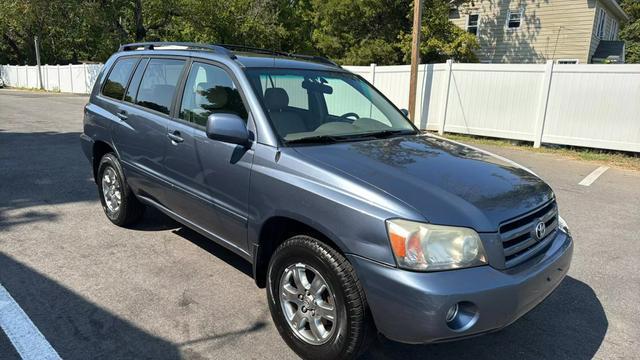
225	49
187	45
320	59
316	58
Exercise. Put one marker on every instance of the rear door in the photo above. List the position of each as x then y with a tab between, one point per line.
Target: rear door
211	177
141	136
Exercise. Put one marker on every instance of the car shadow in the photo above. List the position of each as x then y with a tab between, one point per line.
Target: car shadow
216	250
74	326
154	220
569	324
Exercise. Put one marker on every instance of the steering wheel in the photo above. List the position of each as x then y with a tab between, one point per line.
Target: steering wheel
350	114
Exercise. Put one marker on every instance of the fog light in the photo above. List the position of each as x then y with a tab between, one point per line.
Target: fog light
452	313
462	316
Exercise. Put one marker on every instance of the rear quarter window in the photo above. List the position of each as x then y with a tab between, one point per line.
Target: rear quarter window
117	80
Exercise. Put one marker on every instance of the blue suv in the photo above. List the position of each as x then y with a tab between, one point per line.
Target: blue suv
354	221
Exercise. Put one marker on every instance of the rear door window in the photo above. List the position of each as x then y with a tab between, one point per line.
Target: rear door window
132	90
159	83
118	78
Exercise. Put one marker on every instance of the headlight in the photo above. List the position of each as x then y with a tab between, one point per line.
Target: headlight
562	225
427	247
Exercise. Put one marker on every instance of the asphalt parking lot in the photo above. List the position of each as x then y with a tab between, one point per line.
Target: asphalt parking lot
161	291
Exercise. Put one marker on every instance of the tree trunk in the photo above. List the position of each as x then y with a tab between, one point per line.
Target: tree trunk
141	32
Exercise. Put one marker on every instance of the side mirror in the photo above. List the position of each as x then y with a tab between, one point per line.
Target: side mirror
229	128
405	112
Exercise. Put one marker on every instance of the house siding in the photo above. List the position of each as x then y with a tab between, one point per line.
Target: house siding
608	27
550	30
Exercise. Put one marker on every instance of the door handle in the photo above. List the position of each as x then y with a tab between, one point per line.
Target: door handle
175	137
122	115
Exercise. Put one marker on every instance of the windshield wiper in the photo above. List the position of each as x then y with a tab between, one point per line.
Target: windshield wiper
330	139
318	139
388	133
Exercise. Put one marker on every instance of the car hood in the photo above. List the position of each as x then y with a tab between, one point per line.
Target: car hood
448	183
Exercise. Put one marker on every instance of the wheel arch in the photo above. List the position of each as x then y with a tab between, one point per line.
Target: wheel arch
100	148
274	231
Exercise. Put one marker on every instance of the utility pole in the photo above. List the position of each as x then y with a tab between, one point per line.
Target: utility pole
415	57
35	40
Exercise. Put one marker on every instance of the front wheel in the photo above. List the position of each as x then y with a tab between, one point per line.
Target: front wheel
316	301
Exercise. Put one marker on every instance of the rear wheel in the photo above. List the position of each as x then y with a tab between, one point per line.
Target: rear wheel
118	201
316	301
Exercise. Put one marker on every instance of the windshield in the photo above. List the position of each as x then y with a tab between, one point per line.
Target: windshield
321	106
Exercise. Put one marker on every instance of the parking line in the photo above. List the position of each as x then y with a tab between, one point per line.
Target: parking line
23	334
595	174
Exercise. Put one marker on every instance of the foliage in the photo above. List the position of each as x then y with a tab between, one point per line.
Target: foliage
630	33
359	32
441	39
355	32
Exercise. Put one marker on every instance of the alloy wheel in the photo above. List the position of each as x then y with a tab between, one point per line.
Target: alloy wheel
308	304
111	190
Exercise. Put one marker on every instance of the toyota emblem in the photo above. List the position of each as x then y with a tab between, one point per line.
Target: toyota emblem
540	230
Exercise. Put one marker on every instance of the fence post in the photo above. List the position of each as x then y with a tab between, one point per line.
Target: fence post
59	85
373	73
544	102
372	68
26	74
446	97
71	77
86	87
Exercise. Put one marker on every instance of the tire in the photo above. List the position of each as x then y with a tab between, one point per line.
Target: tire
352	331
128	210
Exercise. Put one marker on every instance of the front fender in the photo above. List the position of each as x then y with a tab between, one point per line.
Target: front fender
349	213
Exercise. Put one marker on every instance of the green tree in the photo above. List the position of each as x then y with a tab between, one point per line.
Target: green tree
630	33
349	31
379	31
359	32
440	38
69	31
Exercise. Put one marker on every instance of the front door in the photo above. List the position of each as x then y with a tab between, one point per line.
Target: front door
211	177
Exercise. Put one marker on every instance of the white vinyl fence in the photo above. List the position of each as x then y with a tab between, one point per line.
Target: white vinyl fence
76	79
591	105
583	105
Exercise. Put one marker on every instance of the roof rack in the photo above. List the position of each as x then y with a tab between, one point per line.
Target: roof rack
225	49
187	45
320	59
316	58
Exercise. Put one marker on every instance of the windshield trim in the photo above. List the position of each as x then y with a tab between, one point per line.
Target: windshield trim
281	141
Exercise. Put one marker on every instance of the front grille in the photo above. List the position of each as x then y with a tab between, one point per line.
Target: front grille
518	235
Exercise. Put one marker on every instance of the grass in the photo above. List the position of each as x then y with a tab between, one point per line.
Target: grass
621	159
28	89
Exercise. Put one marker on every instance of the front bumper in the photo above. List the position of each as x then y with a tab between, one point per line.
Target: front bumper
411	307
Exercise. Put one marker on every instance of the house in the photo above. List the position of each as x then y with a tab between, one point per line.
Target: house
526	31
